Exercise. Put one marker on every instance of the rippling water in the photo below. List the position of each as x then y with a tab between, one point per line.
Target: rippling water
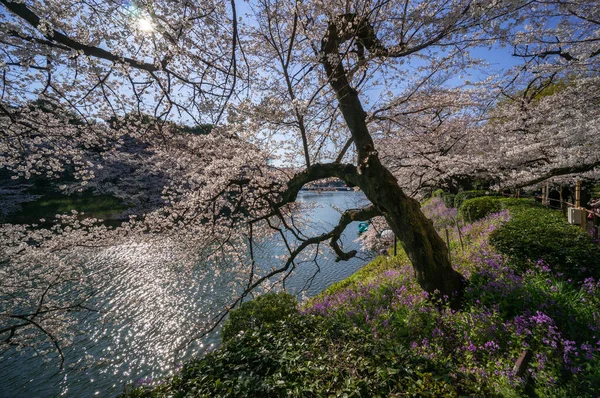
163	303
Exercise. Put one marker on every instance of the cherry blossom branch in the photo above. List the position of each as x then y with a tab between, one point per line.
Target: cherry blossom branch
559	171
59	40
344	150
319	171
346	218
233	64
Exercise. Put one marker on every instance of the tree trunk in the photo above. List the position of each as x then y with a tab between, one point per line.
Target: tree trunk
424	247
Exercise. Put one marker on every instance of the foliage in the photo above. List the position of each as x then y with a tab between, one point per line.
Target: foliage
503	314
384	337
367	274
475	209
534	233
460	197
305	355
447	197
259	313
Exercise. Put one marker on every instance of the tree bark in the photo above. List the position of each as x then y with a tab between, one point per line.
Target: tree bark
424	247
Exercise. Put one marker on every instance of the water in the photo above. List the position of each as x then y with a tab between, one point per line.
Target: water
165	306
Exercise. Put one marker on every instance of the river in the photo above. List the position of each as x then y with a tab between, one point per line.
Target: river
165	306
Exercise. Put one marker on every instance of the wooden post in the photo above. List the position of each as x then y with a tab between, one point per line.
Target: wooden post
562	207
448	244
544	195
560	189
462	246
522	363
578	205
395	244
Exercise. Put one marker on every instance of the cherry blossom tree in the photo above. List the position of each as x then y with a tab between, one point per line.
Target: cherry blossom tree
536	121
544	128
93	62
548	117
538	136
440	125
314	84
560	34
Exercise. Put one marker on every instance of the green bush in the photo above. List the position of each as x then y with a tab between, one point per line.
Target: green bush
312	356
260	312
447	197
437	193
534	233
460	197
477	208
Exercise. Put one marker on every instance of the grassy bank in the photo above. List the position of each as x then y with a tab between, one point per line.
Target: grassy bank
527	327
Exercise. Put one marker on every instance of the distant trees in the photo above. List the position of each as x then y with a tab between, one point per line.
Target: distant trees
549	129
542	127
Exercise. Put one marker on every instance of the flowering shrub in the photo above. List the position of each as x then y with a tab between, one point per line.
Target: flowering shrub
436	210
505	314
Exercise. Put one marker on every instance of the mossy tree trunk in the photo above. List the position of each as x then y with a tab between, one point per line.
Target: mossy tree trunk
424	247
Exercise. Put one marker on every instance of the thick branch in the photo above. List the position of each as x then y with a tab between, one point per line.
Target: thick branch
560	171
318	171
347	217
426	250
360	28
350	105
60	40
566	55
344	150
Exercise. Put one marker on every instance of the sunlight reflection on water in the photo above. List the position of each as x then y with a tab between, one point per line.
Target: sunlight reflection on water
156	306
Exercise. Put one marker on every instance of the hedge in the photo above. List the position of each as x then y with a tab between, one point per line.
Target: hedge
535	233
477	208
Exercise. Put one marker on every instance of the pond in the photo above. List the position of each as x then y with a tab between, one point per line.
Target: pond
165	307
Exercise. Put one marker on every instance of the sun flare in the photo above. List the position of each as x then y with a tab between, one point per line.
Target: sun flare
145	25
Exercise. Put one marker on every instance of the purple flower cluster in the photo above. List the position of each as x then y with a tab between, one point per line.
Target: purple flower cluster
505	314
371	303
436	211
144	381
